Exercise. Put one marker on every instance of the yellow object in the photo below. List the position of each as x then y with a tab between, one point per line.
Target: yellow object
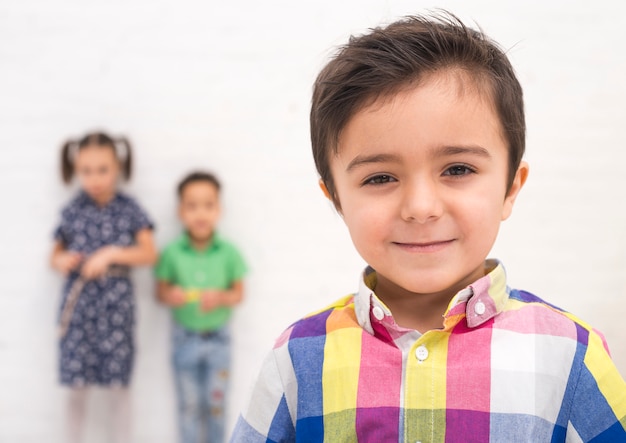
193	295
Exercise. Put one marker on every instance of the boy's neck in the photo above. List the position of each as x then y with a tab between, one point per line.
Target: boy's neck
421	312
200	244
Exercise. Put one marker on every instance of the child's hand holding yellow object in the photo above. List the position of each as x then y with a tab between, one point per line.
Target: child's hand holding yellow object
192	295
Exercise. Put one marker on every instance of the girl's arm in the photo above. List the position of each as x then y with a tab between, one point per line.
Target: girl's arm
63	260
142	253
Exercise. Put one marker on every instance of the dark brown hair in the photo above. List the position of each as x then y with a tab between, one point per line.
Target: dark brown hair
385	60
197	176
96	139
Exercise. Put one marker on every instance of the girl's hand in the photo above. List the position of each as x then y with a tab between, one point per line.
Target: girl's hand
98	263
66	261
210	299
175	296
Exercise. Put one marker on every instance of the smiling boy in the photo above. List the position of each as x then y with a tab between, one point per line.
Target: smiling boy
418	136
421	182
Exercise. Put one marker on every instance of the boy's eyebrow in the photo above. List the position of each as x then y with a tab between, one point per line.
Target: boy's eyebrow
360	160
376	158
456	150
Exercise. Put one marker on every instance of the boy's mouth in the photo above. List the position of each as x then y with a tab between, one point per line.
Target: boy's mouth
431	246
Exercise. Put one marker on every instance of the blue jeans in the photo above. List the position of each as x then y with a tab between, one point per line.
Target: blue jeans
201	370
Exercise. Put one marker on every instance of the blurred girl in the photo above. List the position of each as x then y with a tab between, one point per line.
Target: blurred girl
102	233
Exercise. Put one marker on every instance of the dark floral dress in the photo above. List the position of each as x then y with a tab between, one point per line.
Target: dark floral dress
97	346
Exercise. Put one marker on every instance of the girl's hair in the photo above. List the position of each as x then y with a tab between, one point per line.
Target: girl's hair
121	148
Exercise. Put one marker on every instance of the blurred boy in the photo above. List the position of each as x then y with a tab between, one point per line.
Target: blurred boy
200	275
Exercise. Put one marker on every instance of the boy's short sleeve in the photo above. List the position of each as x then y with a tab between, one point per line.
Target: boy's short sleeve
164	271
238	268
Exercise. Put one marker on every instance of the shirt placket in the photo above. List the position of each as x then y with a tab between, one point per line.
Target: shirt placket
424	390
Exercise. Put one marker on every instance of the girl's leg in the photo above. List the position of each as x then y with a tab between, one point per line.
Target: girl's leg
75	414
120	414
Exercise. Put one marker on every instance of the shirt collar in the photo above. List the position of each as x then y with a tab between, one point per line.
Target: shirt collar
85	198
478	302
185	241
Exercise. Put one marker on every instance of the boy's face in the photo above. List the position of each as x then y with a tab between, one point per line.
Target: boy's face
199	209
421	182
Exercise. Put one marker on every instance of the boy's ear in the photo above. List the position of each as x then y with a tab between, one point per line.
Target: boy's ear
518	182
326	192
324	189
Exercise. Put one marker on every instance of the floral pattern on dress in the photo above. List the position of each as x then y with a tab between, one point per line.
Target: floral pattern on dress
98	346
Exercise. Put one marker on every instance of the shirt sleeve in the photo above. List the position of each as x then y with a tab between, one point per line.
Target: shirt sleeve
599	398
164	269
269	416
238	268
60	234
62	231
140	219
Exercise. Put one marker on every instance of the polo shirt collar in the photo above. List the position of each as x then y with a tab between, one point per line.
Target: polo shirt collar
478	302
185	241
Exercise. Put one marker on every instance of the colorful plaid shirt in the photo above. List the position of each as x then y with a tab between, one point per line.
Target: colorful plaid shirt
506	367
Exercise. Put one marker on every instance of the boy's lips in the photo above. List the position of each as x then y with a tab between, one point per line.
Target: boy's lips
428	246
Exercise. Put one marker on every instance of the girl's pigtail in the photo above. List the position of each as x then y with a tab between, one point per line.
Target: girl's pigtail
67	164
127	163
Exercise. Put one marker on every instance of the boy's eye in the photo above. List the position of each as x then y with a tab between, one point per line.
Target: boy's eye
379	179
459	170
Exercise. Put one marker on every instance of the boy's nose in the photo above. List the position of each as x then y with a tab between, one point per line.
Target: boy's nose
421	202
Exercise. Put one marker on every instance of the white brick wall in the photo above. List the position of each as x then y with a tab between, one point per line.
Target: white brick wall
226	86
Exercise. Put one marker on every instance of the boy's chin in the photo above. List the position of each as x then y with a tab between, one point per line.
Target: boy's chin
200	237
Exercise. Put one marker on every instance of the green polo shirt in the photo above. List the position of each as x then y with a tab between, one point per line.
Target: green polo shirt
216	267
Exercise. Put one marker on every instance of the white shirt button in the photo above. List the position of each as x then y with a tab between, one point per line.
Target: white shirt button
421	353
479	308
378	312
